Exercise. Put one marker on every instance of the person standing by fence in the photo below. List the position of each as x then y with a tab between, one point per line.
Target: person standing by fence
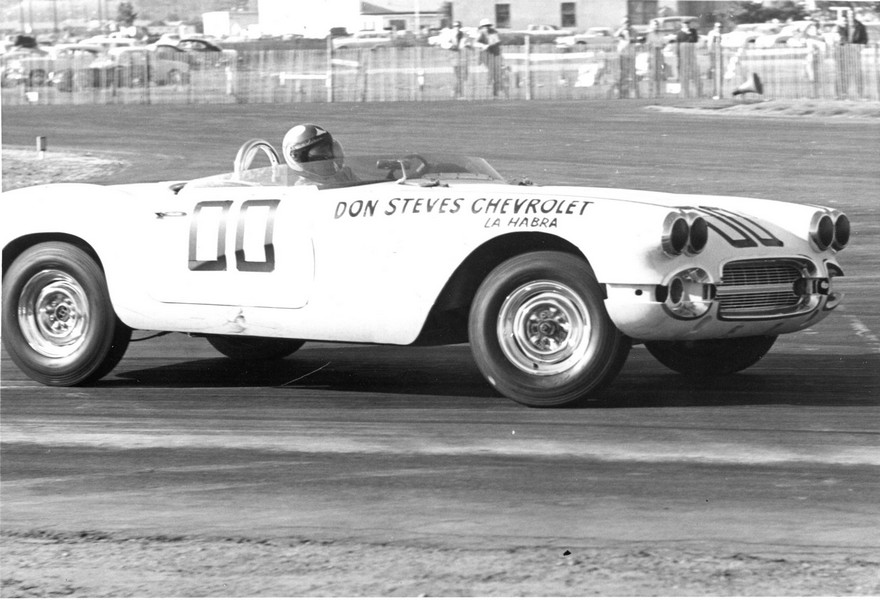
688	69
713	45
848	56
458	44
858	39
626	52
815	45
655	41
490	43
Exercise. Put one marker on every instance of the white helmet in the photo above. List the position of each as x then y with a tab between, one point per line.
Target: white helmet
311	149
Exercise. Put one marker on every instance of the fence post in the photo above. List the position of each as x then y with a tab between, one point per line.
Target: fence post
528	63
146	76
876	63
329	81
420	75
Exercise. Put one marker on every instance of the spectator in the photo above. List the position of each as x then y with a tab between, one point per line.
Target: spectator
688	69
859	34
627	56
713	38
490	43
858	37
848	56
655	41
815	44
713	45
457	44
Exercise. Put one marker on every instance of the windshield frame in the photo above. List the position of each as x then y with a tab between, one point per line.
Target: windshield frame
358	170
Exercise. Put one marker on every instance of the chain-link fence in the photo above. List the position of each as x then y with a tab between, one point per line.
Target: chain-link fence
428	74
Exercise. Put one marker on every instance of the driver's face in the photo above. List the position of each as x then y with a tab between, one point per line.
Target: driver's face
318	160
323	151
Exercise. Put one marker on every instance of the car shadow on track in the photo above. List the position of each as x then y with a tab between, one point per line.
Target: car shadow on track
805	380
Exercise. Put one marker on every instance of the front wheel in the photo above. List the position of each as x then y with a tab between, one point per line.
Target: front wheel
711	358
540	333
59	326
253	348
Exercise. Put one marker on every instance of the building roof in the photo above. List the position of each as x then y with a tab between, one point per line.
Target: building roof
368	8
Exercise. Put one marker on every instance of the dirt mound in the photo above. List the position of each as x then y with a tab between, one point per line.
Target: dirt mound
23	167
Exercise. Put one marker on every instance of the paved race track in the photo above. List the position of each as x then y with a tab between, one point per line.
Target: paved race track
362	470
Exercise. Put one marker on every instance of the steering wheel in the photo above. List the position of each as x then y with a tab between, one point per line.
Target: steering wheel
421	167
405	167
248	151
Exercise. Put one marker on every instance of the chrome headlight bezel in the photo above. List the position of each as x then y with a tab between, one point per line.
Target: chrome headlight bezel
689	294
829	229
684	233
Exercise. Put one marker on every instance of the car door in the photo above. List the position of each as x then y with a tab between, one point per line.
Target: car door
234	246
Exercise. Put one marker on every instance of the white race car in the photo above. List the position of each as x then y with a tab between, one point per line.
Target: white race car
550	285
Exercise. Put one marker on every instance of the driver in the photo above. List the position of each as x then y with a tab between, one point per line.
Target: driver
311	151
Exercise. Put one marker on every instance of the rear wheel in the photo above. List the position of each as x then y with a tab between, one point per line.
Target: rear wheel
59	326
711	358
253	348
539	331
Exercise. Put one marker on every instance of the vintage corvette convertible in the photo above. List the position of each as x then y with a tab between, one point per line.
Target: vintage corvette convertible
550	285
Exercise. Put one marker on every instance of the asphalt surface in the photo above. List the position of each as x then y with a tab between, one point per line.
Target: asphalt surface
384	445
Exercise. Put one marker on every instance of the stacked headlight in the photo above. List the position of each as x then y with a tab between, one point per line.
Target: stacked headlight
684	233
689	294
829	230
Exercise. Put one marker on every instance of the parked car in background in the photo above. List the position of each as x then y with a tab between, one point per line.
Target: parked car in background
670	26
594	36
109	42
121	67
745	34
19	63
38	70
790	32
198	45
537	34
196	52
364	39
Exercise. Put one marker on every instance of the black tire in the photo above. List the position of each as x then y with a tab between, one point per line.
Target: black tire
240	347
59	326
711	358
540	333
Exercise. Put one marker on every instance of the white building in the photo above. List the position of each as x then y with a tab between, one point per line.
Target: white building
315	18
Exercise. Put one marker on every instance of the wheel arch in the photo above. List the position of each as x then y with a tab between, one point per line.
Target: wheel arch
16	247
447	320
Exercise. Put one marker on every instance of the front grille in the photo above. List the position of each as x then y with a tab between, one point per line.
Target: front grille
762	289
760	273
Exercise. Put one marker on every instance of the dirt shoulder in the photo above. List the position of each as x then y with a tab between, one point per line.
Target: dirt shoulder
90	564
23	167
804	109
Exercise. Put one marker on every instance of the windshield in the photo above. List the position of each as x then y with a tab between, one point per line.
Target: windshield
422	169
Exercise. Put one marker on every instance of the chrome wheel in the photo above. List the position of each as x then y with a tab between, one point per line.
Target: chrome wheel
539	331
59	325
543	328
53	314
